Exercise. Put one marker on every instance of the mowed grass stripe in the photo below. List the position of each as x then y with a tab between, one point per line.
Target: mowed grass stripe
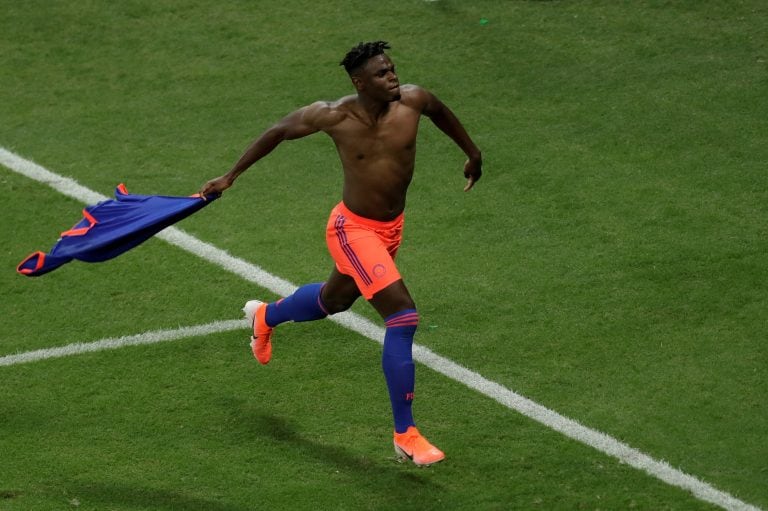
568	427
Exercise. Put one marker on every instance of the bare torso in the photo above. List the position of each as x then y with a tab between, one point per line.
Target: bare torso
375	136
377	154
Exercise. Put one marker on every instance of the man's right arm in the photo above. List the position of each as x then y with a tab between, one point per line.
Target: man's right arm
301	123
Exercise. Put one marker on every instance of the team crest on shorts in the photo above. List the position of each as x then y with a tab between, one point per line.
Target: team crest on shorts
379	270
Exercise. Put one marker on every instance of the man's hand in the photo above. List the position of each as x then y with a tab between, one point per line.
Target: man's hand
472	171
215	186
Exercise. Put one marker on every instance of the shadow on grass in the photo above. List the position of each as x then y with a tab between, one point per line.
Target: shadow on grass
360	467
124	496
384	482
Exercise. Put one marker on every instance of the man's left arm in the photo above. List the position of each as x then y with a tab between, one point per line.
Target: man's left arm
448	123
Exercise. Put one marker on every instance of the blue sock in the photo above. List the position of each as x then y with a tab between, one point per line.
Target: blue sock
397	363
303	305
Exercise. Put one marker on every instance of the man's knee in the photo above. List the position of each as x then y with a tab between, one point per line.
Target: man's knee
336	304
392	299
339	292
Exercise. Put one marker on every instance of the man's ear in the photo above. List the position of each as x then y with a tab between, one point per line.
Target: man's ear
358	82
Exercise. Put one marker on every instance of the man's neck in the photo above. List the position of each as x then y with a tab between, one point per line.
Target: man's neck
372	110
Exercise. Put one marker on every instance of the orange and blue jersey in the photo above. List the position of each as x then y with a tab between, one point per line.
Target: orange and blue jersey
112	227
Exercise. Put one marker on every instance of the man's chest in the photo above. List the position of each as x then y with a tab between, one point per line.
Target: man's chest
392	133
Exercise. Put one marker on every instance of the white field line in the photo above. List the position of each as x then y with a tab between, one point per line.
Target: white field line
568	427
120	342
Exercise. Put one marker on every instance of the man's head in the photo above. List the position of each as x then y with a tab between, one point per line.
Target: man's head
372	71
356	58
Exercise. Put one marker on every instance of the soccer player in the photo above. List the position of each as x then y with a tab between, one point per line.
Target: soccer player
375	135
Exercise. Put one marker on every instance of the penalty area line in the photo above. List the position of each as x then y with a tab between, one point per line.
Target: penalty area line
508	398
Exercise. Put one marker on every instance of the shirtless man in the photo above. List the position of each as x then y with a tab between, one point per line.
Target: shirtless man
375	136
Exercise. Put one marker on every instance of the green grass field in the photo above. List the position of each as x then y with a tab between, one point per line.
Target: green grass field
611	265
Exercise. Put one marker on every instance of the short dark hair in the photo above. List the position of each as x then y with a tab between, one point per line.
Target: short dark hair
359	55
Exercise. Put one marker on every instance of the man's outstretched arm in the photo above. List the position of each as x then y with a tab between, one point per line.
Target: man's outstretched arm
300	123
449	124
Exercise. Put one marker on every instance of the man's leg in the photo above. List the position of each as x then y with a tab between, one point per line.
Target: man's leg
339	293
303	305
308	303
395	305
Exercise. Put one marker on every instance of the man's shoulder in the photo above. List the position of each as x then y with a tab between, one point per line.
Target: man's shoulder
414	96
412	89
343	104
326	113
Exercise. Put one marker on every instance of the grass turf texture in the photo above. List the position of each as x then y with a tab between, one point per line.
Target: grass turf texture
610	265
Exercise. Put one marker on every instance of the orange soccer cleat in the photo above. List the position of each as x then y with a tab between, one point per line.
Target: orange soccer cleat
261	340
415	447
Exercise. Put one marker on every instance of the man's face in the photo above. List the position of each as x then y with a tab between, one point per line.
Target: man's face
378	79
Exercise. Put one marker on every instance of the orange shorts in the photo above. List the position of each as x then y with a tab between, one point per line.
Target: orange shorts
364	249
